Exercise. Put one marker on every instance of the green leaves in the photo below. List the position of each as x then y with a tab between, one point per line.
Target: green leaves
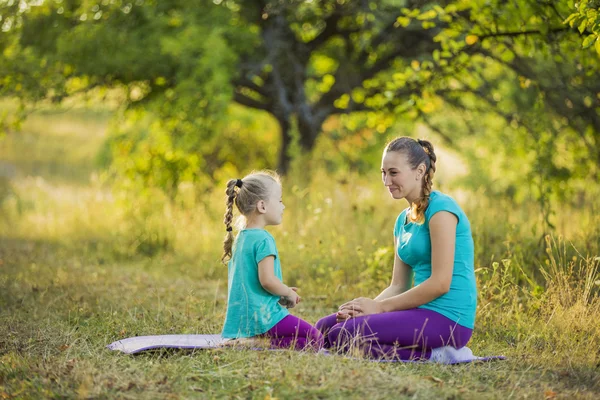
589	40
586	19
182	65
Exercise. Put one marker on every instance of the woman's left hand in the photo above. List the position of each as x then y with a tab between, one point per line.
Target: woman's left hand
361	306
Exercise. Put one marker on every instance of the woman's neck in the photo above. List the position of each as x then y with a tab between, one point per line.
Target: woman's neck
411	199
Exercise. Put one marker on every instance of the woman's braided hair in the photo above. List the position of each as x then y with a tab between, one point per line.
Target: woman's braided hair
418	152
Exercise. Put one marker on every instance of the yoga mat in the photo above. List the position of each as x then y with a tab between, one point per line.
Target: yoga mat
137	344
132	345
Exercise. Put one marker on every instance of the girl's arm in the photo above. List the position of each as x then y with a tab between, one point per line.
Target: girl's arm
269	281
401	277
442	227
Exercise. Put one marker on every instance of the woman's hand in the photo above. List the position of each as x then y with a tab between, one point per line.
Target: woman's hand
358	308
343	315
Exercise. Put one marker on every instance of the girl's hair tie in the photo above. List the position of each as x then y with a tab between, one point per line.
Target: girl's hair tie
229	229
238	183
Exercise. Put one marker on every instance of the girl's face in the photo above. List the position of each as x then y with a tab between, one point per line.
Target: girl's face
274	205
401	180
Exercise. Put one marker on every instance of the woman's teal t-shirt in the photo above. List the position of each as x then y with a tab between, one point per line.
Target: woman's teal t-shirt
251	310
414	248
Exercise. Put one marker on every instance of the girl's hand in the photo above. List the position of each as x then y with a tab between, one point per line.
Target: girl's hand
291	299
360	307
298	298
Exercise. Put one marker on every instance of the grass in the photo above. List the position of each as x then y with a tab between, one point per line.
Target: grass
82	265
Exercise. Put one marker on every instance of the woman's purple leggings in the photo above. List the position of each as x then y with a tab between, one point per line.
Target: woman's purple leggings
405	335
292	331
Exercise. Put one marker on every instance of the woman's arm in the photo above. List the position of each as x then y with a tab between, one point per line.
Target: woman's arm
401	277
442	230
442	227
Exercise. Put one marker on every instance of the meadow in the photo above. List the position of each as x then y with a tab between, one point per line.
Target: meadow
83	264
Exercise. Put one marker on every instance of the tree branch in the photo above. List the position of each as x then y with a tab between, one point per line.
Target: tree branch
330	29
437	130
248	102
520	33
243	81
406	49
353	107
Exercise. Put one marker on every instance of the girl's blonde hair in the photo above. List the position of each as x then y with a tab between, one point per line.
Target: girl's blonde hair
245	193
418	152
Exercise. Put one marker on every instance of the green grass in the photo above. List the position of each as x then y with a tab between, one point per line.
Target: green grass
82	265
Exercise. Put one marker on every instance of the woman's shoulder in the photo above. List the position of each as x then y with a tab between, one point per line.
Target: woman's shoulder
439	201
438	197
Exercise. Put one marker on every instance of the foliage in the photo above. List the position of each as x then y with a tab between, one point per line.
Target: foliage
152	153
502	83
586	19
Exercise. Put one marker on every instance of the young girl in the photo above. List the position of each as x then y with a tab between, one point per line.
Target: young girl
256	294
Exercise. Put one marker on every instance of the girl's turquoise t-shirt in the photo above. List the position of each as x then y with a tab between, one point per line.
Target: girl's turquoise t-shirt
251	310
414	248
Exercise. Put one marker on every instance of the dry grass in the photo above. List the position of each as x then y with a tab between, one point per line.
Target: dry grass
82	266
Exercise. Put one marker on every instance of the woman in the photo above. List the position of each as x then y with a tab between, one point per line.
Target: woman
433	244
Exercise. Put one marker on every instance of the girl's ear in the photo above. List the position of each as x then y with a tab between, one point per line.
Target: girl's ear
261	207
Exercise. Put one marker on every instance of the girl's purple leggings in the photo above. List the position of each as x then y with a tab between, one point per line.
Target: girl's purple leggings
405	335
292	331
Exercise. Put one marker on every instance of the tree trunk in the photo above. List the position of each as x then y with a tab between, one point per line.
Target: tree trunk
283	164
308	130
309	127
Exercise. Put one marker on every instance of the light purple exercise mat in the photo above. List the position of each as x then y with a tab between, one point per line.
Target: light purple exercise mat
137	344
132	345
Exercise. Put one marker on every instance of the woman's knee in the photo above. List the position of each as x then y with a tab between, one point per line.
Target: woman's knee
326	323
340	332
333	334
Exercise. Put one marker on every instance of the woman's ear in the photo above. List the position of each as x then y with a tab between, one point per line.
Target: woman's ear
421	169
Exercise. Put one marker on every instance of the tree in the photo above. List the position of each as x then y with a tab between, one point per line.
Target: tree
586	19
336	48
558	85
302	62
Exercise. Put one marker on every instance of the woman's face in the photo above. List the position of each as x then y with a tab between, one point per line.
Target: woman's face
400	179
